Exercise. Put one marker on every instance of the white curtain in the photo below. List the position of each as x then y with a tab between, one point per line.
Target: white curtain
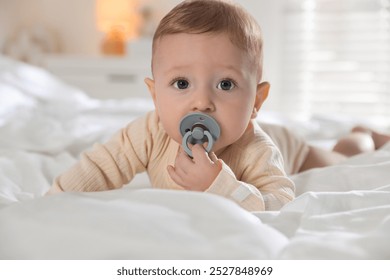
336	58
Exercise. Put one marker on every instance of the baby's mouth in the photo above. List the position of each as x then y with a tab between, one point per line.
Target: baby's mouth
198	128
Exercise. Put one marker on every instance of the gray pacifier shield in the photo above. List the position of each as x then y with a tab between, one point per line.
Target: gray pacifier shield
199	128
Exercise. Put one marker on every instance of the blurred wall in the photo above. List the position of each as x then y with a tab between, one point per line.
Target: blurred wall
72	24
73	21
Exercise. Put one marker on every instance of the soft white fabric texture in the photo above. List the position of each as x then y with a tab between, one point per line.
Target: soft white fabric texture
341	212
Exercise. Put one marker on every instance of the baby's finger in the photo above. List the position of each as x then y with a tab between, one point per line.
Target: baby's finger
213	157
200	154
174	175
183	160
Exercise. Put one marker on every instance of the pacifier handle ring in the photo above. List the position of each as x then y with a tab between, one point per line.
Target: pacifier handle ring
210	142
185	143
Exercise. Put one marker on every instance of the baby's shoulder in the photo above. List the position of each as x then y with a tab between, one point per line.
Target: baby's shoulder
147	123
146	133
254	148
144	130
256	137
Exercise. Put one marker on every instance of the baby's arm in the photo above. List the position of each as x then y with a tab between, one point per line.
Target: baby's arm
263	186
210	174
107	166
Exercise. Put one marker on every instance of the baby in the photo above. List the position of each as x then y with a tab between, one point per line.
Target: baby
207	58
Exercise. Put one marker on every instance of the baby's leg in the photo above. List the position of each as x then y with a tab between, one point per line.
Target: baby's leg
354	143
318	157
379	138
360	140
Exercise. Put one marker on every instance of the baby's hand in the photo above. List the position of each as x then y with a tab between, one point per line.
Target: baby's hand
195	174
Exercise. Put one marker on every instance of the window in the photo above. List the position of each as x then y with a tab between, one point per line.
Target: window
336	58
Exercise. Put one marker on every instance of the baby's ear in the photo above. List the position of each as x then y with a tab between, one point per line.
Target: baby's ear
151	86
261	95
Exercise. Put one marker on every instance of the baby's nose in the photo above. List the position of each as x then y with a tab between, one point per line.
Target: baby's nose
203	102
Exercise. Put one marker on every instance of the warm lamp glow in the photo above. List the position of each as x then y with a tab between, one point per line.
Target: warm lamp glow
119	20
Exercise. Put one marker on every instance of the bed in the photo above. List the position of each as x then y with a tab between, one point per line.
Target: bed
341	212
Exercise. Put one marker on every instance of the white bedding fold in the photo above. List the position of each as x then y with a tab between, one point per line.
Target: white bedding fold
344	225
127	224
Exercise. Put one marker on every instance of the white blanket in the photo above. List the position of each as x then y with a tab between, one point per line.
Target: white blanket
341	212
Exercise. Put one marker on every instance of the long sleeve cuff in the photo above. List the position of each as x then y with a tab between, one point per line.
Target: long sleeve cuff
227	185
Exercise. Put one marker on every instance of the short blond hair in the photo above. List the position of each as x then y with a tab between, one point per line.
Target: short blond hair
214	16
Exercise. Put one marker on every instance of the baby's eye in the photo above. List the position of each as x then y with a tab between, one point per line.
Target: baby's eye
181	84
226	85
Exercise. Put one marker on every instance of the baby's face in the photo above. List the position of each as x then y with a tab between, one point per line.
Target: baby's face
203	73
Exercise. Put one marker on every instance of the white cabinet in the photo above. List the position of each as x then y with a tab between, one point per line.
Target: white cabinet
103	77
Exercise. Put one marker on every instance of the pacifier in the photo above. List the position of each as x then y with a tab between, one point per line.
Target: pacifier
199	128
